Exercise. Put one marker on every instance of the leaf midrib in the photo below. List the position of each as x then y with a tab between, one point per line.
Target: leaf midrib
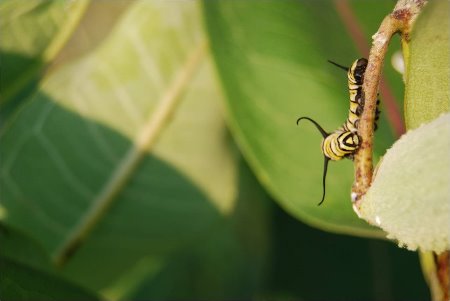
142	144
76	13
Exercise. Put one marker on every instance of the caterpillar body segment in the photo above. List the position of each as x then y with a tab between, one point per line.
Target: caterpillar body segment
344	142
340	144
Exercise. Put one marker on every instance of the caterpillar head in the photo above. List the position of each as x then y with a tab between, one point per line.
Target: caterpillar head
358	69
340	144
335	146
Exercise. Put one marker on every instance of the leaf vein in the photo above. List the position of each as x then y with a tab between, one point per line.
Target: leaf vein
124	170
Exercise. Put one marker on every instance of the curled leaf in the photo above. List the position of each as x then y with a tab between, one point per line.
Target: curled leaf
409	197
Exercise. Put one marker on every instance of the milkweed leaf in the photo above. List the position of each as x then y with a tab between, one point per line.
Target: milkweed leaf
271	57
409	196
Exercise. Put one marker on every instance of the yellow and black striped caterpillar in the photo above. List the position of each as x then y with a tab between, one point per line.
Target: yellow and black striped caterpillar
345	141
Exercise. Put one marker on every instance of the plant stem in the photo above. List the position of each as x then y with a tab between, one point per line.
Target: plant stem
435	266
400	20
435	269
353	28
443	269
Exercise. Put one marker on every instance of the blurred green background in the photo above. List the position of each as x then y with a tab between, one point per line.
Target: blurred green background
168	127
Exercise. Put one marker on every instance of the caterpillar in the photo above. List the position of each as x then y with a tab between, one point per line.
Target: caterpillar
345	141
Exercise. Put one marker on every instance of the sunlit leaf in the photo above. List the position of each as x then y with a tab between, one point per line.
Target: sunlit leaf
33	32
68	151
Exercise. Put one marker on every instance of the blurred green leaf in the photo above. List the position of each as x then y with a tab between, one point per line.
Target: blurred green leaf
317	265
271	57
22	249
33	32
96	24
369	15
21	282
428	66
75	135
228	263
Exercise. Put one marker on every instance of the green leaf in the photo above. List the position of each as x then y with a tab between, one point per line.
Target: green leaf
26	272
33	32
409	196
228	263
22	249
79	155
427	92
95	25
296	274
21	282
271	57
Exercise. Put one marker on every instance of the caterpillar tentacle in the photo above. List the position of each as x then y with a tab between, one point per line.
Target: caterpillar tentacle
345	141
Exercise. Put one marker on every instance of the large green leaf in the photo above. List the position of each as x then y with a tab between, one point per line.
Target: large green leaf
229	263
26	273
21	282
33	32
68	150
22	249
297	271
271	57
428	66
409	196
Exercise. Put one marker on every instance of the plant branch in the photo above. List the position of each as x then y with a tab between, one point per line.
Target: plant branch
400	20
353	27
442	262
435	269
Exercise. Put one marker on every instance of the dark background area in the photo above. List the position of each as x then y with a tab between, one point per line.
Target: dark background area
315	265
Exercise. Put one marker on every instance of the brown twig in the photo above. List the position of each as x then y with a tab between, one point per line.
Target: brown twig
435	268
400	20
353	28
442	262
